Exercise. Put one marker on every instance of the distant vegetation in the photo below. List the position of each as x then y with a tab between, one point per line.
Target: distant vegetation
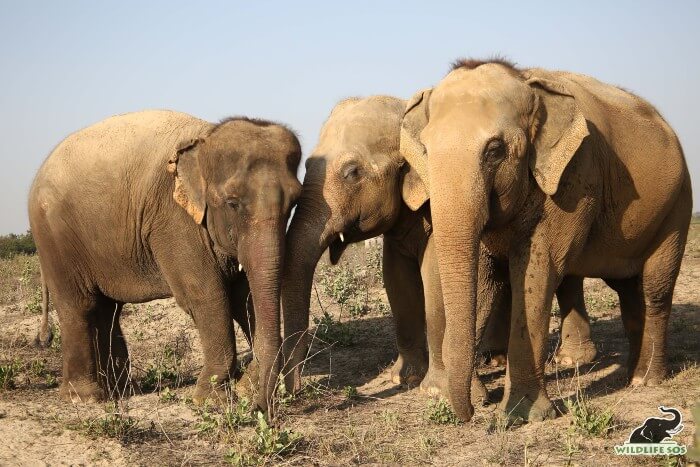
13	244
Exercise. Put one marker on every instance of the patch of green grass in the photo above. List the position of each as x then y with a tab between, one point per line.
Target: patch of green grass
38	369
163	372
214	421
350	393
8	371
332	331
114	424
440	412
267	445
588	419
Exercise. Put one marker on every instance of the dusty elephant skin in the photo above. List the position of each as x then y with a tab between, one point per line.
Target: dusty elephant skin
558	174
357	186
157	204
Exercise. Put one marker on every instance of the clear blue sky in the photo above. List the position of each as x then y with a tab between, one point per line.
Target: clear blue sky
65	65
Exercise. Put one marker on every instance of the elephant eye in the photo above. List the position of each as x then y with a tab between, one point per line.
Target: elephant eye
234	203
351	172
495	149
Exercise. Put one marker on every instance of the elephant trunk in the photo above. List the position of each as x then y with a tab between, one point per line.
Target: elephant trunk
673	423
305	245
264	278
459	216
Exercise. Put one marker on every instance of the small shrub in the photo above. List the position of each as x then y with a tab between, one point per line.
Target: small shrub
587	419
8	371
350	392
114	424
167	395
440	412
164	372
271	441
333	331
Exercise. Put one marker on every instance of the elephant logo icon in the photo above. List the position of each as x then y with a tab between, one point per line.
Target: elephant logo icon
654	436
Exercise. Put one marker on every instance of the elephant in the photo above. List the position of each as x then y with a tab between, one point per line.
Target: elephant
558	175
158	204
356	187
657	429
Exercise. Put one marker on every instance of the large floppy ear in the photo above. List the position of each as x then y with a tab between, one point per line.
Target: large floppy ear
559	128
189	184
415	188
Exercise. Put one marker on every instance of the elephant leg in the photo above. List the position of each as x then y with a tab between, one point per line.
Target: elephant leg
80	370
632	310
532	283
111	352
404	289
576	344
435	382
493	309
658	281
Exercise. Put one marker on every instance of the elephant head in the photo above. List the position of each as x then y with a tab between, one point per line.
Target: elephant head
656	429
239	182
352	191
480	141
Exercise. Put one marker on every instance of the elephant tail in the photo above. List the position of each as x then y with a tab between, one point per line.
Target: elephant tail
45	334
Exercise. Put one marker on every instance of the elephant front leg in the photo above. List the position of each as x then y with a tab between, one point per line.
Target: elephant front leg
576	347
215	328
404	290
532	282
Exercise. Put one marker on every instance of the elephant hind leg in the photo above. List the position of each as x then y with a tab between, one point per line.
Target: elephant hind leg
632	309
111	352
576	347
76	315
658	281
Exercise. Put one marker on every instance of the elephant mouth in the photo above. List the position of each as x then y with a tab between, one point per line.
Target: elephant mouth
336	249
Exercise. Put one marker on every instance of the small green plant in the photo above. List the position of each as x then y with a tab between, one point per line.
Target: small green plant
114	424
38	368
164	372
271	441
333	331
588	419
350	392
166	395
284	398
56	341
8	371
227	421
440	412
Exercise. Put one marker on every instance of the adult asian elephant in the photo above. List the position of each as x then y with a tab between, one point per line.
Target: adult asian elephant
157	204
557	174
357	187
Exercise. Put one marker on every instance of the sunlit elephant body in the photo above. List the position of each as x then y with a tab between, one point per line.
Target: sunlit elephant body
557	174
157	204
356	188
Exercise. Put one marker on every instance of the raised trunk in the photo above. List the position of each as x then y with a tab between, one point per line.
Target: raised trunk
459	211
305	245
675	421
264	277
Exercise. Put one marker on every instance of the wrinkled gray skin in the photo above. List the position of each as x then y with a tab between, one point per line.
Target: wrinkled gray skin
355	184
558	175
157	204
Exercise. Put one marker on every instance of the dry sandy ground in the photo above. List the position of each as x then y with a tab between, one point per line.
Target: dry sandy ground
382	424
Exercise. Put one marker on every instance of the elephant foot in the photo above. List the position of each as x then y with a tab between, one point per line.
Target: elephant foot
496	359
408	371
211	394
529	406
82	391
646	380
570	353
43	339
435	385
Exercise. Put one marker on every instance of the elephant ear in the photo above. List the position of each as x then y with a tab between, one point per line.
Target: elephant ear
415	188
559	127
189	183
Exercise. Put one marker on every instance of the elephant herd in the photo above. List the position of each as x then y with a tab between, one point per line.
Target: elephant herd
495	190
